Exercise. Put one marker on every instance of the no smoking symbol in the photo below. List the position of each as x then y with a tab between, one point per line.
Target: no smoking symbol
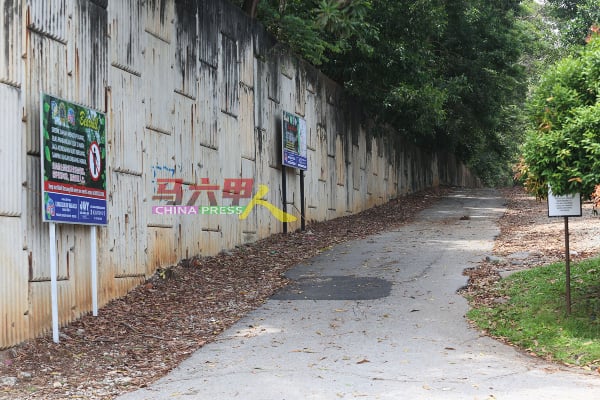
94	161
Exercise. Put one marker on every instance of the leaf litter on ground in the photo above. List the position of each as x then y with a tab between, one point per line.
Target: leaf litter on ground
139	338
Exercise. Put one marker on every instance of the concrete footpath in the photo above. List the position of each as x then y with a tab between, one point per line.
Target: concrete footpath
377	318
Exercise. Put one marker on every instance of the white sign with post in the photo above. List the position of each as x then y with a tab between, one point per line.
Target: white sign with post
565	206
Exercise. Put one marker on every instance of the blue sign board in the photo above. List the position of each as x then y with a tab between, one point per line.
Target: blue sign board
74	209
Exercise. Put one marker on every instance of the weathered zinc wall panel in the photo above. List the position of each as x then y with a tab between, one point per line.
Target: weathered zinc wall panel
206	109
158	85
209	18
88	54
123	260
193	90
14	322
186	50
12	158
13	273
46	69
48	18
10	43
126	124
123	241
126	35
125	96
159	19
63	57
159	149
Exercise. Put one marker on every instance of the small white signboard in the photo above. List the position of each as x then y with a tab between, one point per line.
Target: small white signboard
564	206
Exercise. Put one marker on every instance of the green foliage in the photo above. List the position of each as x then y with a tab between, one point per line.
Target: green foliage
533	315
563	145
574	18
165	273
448	75
315	29
483	45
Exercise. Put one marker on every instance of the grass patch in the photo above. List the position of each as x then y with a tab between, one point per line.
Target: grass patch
534	317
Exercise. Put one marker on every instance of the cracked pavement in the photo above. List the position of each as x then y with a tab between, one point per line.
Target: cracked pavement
378	318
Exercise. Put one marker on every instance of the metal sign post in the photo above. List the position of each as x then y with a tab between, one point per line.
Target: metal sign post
567	267
53	281
565	206
302	208
293	154
94	270
284	195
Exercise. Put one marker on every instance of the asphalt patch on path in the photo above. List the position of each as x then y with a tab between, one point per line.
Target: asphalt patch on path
335	288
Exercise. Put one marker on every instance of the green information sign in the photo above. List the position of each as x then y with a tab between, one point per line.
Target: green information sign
73	153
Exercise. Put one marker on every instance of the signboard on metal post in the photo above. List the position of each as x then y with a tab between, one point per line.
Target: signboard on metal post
73	152
73	167
293	154
565	206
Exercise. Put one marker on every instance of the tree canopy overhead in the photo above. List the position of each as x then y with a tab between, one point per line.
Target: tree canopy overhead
447	74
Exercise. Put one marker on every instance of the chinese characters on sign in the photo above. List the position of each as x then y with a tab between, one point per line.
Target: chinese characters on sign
293	136
73	163
171	191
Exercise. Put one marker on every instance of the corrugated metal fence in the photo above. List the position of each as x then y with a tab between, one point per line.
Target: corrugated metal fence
192	90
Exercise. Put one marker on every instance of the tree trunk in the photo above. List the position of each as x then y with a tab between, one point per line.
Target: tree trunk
250	7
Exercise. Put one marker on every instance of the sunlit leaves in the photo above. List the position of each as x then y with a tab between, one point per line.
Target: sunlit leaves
562	148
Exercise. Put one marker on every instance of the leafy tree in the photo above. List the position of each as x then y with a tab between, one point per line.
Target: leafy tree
446	74
313	29
562	149
574	18
394	68
482	49
543	40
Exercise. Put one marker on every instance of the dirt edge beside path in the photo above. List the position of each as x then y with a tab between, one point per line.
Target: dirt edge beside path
529	238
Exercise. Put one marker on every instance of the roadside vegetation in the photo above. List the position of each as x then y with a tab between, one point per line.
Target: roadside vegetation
562	147
529	312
